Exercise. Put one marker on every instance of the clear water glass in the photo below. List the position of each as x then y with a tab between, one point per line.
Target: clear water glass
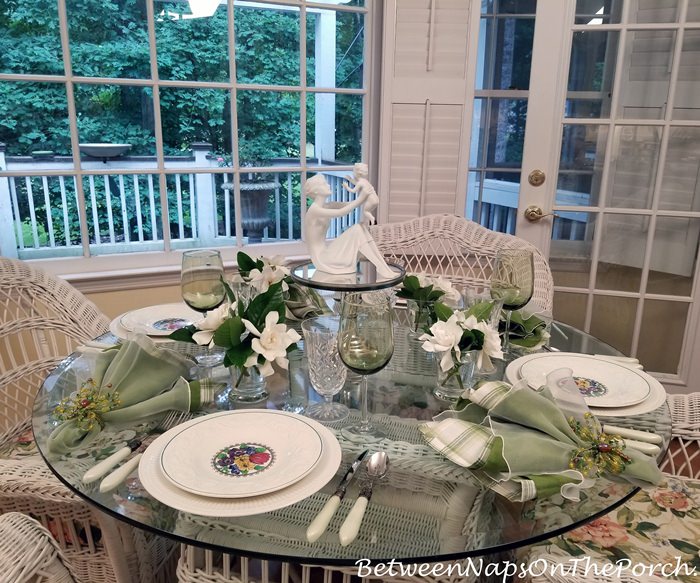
326	370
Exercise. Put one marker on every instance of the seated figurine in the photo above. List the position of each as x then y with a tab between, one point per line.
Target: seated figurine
340	255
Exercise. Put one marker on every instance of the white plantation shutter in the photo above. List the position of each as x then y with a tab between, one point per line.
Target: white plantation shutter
424	108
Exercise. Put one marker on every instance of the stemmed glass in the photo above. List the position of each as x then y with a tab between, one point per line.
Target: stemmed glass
365	345
326	370
512	282
202	287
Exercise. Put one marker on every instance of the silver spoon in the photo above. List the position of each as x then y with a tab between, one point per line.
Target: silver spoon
377	467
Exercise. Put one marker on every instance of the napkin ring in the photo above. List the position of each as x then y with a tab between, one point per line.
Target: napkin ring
86	406
602	452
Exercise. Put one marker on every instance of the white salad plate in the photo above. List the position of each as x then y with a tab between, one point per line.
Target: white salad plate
246	453
629	391
159	320
156	484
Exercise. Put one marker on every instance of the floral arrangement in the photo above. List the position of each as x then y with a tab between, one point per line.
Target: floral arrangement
457	332
300	302
252	332
425	291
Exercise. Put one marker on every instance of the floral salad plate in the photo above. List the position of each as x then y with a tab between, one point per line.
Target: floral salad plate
155	482
159	320
245	453
603	383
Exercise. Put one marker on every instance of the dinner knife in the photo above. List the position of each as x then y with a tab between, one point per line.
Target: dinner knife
320	523
120	474
101	468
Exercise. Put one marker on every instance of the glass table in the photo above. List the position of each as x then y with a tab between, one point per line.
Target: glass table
427	509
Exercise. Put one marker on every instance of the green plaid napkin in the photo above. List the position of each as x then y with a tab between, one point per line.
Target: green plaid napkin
520	443
145	379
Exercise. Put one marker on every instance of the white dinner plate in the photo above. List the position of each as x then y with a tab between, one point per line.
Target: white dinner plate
246	453
602	383
158	486
159	320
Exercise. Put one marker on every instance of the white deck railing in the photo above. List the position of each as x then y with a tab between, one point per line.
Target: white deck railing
39	214
39	205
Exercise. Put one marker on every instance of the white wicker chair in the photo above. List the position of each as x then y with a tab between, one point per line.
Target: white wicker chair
642	527
42	319
459	249
28	552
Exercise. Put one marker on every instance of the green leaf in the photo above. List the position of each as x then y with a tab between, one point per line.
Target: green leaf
683	546
481	311
411	283
228	335
645	526
230	296
183	334
246	263
442	311
237	356
270	301
625	516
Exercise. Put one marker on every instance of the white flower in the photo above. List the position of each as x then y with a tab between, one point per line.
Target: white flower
277	262
208	325
444	338
452	296
271	343
491	348
262	280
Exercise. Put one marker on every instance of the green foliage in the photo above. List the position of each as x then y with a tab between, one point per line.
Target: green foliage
109	38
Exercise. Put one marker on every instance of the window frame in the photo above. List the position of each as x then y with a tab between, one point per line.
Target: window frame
105	272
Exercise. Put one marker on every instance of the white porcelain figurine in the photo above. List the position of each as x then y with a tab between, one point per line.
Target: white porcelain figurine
340	255
363	187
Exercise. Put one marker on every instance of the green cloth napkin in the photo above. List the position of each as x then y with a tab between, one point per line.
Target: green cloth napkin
519	442
148	380
527	331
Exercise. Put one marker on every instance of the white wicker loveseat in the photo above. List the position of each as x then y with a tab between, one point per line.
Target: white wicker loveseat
458	249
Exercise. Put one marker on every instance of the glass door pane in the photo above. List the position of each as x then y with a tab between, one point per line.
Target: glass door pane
506	35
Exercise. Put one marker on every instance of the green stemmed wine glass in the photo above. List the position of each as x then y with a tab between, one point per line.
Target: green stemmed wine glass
512	282
365	345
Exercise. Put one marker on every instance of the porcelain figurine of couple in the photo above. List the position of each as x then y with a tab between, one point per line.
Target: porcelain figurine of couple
340	255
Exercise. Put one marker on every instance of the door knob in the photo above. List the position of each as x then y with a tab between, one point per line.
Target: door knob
534	213
536	177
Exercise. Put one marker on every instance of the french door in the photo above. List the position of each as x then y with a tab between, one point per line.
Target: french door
585	111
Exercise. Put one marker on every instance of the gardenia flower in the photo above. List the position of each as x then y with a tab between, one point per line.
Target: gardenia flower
208	325
443	338
271	343
452	296
262	280
492	344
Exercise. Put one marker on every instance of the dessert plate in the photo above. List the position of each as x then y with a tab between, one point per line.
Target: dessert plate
603	383
245	453
158	486
159	320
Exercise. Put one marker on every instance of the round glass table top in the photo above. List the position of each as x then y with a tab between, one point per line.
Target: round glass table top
365	277
426	509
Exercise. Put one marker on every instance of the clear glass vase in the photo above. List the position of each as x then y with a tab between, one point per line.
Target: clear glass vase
420	316
451	384
247	386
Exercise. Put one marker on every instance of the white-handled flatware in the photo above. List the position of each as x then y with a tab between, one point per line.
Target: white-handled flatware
635	434
320	523
377	466
113	480
647	448
101	468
